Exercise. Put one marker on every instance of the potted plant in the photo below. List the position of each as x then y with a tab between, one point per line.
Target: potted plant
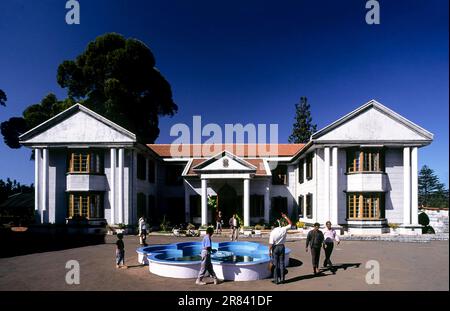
258	229
121	228
248	230
300	226
393	228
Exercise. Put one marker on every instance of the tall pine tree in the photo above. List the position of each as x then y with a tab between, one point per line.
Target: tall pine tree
303	127
431	191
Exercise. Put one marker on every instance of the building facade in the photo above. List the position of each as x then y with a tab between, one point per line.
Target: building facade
360	172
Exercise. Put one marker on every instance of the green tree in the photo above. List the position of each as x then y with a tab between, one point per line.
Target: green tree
32	116
3	98
114	76
431	191
303	127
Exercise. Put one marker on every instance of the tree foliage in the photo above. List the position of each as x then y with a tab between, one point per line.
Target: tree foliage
303	127
32	116
9	187
114	76
117	78
432	192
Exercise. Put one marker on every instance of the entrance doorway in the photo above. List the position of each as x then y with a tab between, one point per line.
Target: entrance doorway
228	202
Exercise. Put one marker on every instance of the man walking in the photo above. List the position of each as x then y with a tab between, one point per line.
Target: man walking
330	236
276	249
142	231
219	222
234	225
315	239
206	264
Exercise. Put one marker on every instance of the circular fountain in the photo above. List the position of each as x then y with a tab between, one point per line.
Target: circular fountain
236	261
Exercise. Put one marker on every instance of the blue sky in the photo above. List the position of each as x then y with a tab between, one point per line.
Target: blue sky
245	61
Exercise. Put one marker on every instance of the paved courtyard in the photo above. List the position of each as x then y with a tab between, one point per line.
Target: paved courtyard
403	266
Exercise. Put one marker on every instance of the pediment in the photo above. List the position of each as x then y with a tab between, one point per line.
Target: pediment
77	125
224	162
373	123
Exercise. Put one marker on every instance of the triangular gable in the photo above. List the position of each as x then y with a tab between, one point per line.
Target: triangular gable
77	124
225	161
373	122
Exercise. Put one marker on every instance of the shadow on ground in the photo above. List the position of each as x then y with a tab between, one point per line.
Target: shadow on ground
323	272
30	242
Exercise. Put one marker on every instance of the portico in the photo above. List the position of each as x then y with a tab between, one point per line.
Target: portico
226	166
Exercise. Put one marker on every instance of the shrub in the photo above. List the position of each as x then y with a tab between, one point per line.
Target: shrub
300	224
428	230
424	220
393	226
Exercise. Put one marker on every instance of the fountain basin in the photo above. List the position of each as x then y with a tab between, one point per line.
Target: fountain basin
237	261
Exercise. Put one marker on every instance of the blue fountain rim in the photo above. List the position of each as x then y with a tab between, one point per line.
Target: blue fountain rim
151	251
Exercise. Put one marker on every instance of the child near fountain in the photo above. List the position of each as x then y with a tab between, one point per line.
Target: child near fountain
206	264
120	252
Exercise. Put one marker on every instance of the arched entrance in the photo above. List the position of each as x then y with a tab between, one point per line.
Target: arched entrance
227	202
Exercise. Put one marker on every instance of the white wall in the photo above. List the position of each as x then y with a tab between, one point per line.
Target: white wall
310	186
394	185
57	199
342	186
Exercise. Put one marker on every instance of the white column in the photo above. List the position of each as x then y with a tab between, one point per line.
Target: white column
187	202
326	183
37	181
335	187
406	186
267	202
246	202
204	202
44	182
414	187
121	168
112	189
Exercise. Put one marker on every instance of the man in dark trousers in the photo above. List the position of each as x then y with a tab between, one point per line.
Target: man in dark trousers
315	240
276	249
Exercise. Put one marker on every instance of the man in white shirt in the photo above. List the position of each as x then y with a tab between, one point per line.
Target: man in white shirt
142	231
330	236
276	249
234	225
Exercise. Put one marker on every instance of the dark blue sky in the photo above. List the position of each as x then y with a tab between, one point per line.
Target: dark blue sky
246	61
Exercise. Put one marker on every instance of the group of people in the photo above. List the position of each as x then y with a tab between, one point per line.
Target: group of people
315	241
233	223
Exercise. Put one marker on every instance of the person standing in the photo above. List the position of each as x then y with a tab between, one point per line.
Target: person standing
142	231
120	252
276	249
315	240
234	224
330	236
206	264
219	222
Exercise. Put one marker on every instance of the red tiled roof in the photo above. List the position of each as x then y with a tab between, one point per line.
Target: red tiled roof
240	150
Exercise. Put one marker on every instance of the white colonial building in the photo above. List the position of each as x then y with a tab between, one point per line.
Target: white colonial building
359	172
